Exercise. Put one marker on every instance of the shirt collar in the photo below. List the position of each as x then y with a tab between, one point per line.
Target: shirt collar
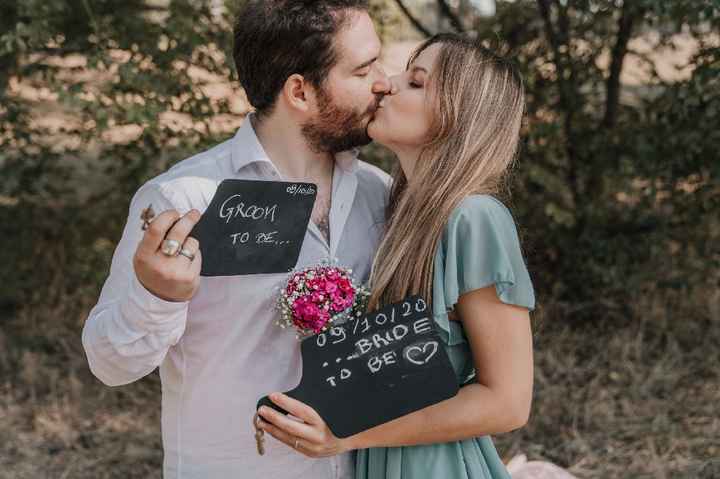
348	160
248	149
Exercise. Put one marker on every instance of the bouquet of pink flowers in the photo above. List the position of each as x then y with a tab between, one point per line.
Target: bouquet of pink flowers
317	296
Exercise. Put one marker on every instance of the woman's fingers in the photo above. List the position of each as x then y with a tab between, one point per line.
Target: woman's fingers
297	408
315	437
286	438
277	433
289	426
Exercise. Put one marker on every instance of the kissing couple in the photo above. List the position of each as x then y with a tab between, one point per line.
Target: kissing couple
311	71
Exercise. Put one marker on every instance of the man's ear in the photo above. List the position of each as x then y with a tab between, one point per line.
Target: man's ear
298	93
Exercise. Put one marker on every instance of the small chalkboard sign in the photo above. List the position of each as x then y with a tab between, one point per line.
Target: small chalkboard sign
254	227
371	370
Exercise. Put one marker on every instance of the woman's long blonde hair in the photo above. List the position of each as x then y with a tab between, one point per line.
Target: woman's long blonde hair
477	100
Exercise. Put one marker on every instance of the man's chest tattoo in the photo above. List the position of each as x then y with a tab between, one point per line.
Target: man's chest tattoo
321	217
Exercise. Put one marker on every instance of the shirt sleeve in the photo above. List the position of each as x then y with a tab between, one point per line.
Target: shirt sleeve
129	331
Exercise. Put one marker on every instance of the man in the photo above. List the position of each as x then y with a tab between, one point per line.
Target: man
310	70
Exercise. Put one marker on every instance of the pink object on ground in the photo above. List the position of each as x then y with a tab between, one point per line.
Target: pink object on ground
520	468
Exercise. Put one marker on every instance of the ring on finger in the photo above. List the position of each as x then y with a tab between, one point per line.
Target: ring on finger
297	443
187	253
170	247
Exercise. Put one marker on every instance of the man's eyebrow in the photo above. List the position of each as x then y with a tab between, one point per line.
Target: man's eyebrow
367	63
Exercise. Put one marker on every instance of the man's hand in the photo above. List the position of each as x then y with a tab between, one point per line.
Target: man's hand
172	278
311	437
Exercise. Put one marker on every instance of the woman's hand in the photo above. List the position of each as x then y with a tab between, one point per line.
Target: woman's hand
311	437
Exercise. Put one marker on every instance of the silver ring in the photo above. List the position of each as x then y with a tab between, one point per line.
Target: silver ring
297	442
170	247
187	253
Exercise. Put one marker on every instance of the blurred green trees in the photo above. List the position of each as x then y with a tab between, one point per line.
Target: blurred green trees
618	184
108	65
616	188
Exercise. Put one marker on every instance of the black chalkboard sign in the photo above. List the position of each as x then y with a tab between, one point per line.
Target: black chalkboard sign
373	369
254	227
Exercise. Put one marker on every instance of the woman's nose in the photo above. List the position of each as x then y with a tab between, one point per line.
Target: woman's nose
394	84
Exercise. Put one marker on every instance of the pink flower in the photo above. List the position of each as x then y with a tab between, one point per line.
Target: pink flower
317	284
319	300
306	314
339	305
330	287
321	320
298	306
345	284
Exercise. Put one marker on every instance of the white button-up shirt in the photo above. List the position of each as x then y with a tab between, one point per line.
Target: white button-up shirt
221	351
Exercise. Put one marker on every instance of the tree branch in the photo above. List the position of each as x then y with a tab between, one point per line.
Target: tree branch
544	7
415	22
612	99
567	104
454	20
563	23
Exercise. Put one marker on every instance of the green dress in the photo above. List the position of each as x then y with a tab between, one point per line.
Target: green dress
479	247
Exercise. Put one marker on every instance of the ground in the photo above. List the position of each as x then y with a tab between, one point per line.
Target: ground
617	398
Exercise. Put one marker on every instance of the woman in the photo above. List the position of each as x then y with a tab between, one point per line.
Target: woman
453	120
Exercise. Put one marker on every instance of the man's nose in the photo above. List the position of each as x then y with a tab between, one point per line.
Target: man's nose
382	85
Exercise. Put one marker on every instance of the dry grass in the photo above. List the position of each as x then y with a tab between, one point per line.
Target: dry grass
627	399
57	420
614	399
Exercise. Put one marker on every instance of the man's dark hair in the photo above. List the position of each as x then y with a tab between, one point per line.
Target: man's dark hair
278	38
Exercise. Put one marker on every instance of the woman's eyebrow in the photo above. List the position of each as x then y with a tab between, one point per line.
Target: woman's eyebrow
418	68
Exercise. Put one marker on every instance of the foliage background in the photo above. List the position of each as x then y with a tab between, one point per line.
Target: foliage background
616	191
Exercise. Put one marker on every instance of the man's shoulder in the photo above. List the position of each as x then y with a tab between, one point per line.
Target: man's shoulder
187	183
372	177
210	162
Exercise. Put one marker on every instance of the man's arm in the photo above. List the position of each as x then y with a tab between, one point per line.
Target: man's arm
130	330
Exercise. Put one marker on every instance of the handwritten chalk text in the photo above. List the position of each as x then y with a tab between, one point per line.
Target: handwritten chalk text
232	207
300	190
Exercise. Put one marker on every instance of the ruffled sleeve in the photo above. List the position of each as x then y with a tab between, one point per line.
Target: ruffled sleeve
479	247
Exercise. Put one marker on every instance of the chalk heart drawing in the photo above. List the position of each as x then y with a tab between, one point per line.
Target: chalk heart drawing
421	354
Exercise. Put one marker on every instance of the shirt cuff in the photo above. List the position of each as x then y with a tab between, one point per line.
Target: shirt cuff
145	311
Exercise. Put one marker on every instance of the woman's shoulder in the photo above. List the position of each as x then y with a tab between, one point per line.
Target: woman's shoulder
481	209
480	247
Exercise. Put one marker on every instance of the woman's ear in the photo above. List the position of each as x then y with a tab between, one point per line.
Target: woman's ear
297	93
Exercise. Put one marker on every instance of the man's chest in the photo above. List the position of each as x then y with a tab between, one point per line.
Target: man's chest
321	210
236	315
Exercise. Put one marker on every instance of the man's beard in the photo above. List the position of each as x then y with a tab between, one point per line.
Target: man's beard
336	129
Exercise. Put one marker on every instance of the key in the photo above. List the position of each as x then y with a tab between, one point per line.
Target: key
147	215
259	437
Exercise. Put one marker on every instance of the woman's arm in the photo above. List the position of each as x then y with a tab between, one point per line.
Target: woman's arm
501	342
